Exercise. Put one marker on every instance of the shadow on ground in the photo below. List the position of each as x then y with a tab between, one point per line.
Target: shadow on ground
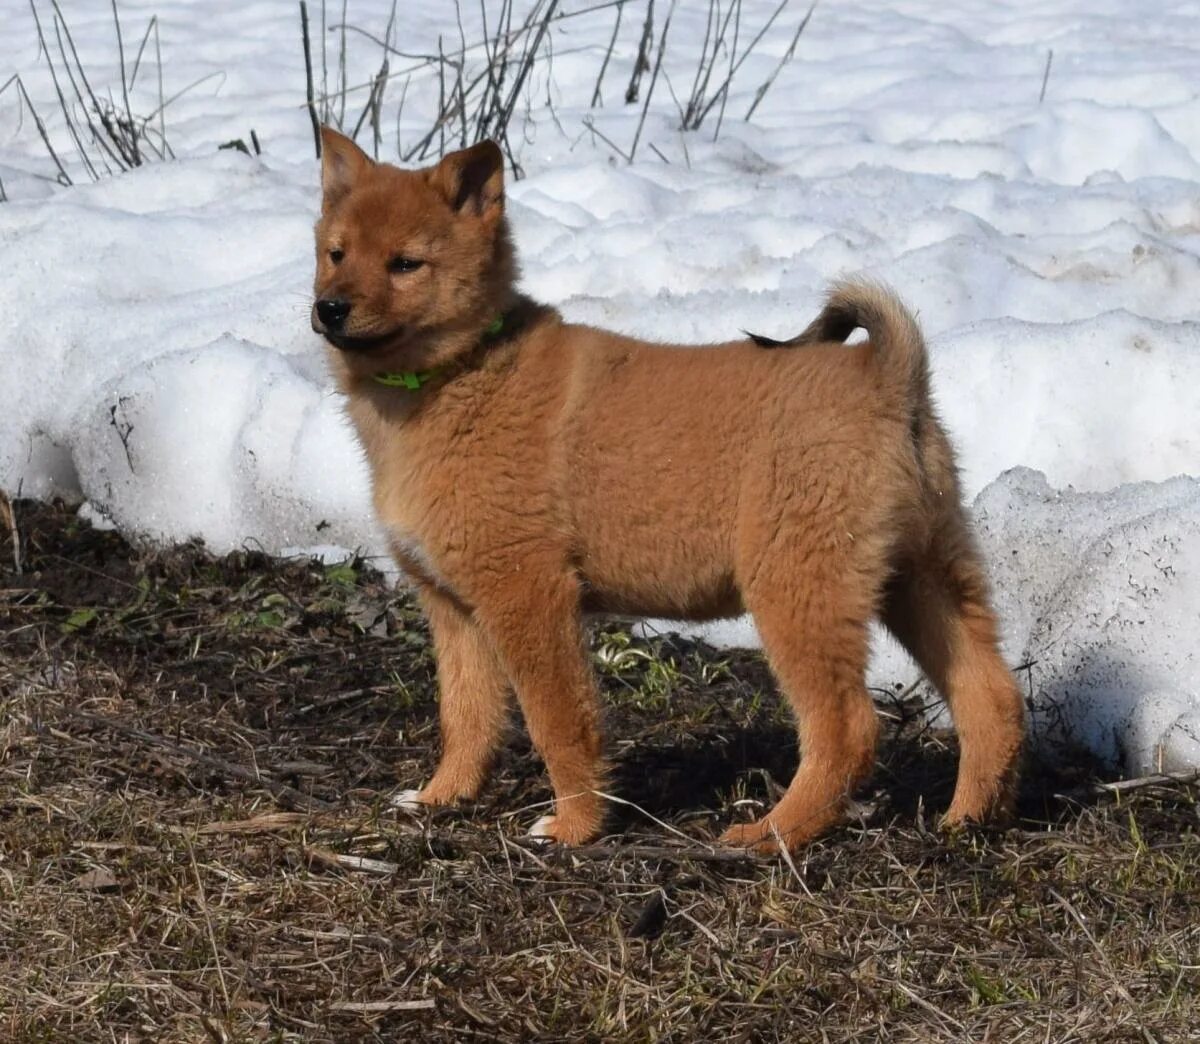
194	843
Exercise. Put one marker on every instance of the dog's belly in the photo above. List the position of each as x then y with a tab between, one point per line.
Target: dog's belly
664	575
717	603
652	538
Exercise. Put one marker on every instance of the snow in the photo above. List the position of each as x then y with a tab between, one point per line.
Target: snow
1099	596
158	367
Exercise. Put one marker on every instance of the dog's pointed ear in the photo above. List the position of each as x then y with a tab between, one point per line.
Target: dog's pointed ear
342	164
472	181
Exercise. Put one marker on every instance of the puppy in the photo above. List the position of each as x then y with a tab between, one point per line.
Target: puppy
529	471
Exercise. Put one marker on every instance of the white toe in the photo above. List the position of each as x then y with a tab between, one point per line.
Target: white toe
407	800
540	831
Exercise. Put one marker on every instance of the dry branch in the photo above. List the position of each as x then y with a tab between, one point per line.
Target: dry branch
10	520
596	97
1128	786
210	761
308	78
787	57
662	47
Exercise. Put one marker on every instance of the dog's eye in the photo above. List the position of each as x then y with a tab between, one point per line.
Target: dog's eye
399	263
336	255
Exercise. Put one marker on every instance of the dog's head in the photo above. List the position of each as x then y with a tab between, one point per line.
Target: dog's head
412	265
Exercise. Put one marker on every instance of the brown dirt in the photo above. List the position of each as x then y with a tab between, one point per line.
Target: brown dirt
194	843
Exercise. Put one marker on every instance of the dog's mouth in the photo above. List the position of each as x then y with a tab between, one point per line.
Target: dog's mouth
355	343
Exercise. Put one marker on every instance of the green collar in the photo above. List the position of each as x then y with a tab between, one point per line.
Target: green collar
413	379
410	379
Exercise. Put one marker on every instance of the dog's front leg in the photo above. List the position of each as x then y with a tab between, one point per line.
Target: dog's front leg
533	619
473	703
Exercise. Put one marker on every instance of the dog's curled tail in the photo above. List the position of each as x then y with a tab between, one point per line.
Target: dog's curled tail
895	336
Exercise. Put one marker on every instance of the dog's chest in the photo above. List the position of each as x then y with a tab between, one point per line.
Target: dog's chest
412	554
440	508
404	505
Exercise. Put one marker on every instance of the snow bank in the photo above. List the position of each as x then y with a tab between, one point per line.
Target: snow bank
1100	598
156	361
160	366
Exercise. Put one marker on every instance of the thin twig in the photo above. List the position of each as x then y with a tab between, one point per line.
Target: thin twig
441	98
1122	992
596	98
1127	786
400	109
215	74
933	1009
382	82
462	94
371	109
212	936
308	79
662	47
429	59
227	768
590	124
341	122
66	111
10	520
1046	75
642	62
705	66
63	177
723	94
660	853
682	128
162	117
324	67
453	110
735	66
62	101
111	138
137	59
361	864
638	808
787	57
491	95
384	1007
528	63
137	159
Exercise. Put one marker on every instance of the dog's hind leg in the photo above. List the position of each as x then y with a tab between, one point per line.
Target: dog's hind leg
812	614
937	606
473	703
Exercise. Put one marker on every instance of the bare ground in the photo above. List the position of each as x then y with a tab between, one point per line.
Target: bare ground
195	845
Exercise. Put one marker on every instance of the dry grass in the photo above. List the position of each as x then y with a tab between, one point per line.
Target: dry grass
193	845
107	136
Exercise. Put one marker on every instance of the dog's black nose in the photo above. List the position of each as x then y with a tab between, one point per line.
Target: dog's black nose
332	311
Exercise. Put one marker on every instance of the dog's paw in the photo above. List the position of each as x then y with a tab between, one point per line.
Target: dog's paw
565	829
754	837
407	801
543	831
